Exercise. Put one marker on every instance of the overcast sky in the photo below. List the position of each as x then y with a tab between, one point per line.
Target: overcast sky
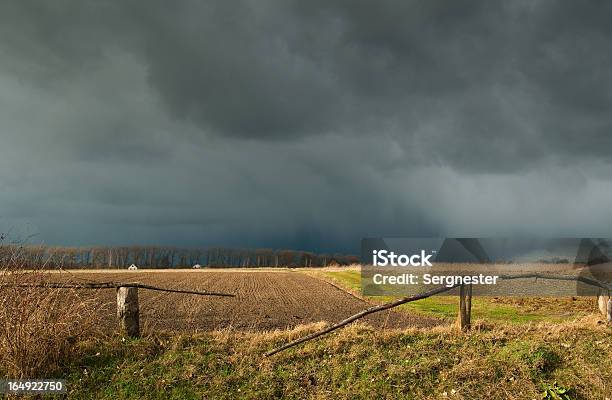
304	125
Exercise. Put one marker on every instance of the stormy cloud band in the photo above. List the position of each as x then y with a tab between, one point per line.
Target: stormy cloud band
492	266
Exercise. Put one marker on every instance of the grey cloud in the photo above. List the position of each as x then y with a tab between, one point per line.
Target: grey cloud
303	124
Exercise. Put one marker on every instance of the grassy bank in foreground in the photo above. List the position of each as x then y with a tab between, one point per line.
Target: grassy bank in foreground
503	309
509	362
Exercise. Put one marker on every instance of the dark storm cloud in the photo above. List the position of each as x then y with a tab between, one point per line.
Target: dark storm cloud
303	123
287	69
514	77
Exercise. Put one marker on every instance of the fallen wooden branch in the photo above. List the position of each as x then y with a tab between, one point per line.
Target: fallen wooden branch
111	285
424	295
361	314
588	281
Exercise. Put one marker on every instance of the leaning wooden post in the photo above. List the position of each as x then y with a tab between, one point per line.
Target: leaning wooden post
465	307
128	312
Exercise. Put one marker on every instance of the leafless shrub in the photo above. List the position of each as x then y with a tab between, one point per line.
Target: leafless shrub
39	327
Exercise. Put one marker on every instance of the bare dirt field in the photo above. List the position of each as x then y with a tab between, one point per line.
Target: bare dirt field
265	300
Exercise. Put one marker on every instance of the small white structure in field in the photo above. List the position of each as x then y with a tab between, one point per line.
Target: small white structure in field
132	267
197	266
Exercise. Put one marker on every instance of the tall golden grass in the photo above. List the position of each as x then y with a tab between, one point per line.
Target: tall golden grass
40	327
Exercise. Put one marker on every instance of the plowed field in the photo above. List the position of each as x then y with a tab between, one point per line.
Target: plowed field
264	300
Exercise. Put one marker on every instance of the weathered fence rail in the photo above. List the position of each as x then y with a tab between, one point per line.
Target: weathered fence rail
128	308
464	311
359	315
112	285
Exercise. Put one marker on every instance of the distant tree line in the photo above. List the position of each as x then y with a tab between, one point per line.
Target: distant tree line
162	257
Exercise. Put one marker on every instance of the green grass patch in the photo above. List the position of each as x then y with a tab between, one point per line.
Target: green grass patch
489	309
357	363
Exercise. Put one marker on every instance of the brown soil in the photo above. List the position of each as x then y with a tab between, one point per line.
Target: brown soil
265	300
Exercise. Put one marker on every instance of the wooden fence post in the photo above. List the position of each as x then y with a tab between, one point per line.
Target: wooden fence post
128	312
465	307
602	303
469	305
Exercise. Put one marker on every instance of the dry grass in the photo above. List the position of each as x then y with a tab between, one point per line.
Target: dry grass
45	333
492	361
39	327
